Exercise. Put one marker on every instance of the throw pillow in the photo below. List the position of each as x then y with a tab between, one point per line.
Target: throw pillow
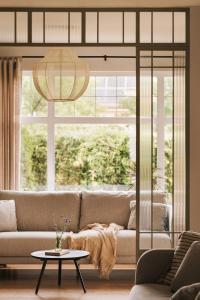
189	270
185	241
160	216
8	221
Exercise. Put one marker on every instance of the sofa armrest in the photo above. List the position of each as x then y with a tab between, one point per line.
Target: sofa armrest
153	264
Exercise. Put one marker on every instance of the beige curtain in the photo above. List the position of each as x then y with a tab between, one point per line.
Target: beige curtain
10	89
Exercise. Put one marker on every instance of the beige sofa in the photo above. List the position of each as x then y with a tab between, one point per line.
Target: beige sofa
35	211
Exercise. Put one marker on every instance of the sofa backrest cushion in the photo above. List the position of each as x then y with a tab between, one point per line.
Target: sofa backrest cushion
105	207
35	211
111	207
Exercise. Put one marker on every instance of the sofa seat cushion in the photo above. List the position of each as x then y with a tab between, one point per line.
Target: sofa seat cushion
126	243
25	242
150	292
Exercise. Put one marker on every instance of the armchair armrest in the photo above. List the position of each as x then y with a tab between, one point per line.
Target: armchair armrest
153	264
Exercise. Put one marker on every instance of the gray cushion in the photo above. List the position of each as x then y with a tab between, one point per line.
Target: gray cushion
150	292
189	270
36	210
105	207
191	292
185	241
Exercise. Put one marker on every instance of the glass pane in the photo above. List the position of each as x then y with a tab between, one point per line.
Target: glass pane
91	27
126	85
126	96
22	27
33	157
129	27
179	143
126	106
91	88
162	27
56	27
106	106
32	103
66	109
106	86
75	27
37	27
85	106
7	32
162	62
179	27
105	96
145	151
94	157
110	27
145	27
162	150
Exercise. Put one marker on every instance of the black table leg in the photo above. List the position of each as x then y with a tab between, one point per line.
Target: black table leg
59	271
40	277
79	275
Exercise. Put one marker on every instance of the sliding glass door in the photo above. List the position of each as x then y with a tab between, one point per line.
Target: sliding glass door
162	148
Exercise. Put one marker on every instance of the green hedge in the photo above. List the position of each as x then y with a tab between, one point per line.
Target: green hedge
102	158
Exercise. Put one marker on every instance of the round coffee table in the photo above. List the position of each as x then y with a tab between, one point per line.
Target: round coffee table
74	255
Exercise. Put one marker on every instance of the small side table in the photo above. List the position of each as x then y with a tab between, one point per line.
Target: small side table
74	255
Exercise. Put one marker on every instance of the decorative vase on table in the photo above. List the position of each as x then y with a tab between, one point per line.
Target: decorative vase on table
59	240
60	229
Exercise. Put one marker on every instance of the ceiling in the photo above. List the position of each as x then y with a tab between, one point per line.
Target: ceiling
99	3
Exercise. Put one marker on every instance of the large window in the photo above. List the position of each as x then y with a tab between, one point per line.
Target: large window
88	143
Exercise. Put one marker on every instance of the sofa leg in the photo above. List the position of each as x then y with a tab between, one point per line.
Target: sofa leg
3	266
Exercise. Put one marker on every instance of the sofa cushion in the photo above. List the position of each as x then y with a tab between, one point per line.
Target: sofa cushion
8	220
189	292
185	241
160	215
24	242
126	240
105	207
35	211
189	270
150	292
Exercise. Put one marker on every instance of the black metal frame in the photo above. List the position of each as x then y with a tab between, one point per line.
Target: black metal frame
139	47
83	12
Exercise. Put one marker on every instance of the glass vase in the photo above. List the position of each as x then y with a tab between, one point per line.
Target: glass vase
59	240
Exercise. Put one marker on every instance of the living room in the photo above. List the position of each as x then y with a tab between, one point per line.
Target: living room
99	149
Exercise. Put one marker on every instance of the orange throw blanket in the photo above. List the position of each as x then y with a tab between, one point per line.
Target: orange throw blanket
101	241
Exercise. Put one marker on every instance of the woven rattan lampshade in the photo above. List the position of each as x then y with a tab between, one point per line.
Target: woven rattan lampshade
61	75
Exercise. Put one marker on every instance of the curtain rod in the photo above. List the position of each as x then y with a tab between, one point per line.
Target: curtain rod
105	57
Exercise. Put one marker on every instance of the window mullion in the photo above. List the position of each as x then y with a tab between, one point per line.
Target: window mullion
50	148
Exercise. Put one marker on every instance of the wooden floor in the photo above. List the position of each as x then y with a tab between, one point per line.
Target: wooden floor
19	284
